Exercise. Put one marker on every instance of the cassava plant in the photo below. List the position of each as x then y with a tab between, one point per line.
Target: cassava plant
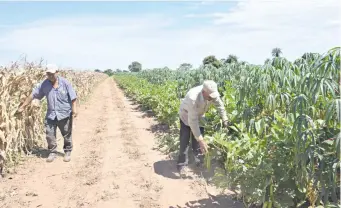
284	147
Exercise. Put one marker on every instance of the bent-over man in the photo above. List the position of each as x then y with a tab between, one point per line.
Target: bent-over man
192	110
61	109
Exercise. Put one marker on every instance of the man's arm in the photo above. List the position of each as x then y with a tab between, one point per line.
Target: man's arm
219	104
27	101
193	121
36	94
73	97
74	107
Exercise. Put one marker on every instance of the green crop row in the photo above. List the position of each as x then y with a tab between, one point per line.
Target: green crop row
285	148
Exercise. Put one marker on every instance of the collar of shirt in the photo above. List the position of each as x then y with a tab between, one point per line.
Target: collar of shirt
58	80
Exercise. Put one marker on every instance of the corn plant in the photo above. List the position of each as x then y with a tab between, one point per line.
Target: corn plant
18	135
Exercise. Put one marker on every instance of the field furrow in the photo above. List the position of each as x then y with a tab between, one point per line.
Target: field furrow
113	164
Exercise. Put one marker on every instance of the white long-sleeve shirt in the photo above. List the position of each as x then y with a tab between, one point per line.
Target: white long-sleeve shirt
193	108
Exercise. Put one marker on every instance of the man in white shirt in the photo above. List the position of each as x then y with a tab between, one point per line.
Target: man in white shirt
192	109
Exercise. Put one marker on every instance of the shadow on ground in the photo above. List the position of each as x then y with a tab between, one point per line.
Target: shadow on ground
137	107
167	168
218	201
44	153
159	128
146	112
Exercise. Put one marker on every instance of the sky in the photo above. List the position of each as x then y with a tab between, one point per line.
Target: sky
112	34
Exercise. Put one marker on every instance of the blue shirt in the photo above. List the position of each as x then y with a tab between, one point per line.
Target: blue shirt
59	103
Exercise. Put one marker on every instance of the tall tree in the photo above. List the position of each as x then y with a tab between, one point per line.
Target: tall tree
231	59
185	66
135	66
109	72
276	52
212	60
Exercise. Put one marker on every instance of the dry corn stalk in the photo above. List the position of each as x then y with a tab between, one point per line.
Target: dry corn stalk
311	194
20	134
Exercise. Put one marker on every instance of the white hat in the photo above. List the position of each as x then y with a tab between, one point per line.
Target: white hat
212	88
52	68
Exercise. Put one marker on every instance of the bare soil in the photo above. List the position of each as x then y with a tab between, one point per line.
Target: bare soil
113	164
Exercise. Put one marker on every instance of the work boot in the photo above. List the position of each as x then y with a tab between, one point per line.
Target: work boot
51	157
67	157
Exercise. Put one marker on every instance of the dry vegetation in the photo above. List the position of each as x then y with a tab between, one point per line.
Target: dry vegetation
19	135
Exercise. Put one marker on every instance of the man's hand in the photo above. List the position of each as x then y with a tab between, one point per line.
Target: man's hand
22	106
19	111
203	146
74	113
74	109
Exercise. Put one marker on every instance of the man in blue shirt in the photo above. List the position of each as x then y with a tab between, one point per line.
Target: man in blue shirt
61	109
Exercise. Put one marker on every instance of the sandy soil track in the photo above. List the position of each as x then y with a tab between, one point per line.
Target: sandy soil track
113	165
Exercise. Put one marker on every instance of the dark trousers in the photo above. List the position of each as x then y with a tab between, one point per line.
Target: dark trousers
185	135
65	127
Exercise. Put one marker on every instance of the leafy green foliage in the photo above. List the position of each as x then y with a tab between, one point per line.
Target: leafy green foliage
276	52
185	67
231	59
109	72
284	147
212	60
135	66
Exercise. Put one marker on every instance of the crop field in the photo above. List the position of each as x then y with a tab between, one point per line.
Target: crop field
18	135
284	147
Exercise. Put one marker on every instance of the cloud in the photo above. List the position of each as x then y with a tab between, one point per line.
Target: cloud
198	4
104	42
250	30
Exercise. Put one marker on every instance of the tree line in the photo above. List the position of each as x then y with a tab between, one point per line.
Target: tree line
136	66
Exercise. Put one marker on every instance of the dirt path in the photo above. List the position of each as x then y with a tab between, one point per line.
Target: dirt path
113	165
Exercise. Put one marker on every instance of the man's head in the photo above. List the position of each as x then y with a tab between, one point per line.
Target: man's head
51	72
210	90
